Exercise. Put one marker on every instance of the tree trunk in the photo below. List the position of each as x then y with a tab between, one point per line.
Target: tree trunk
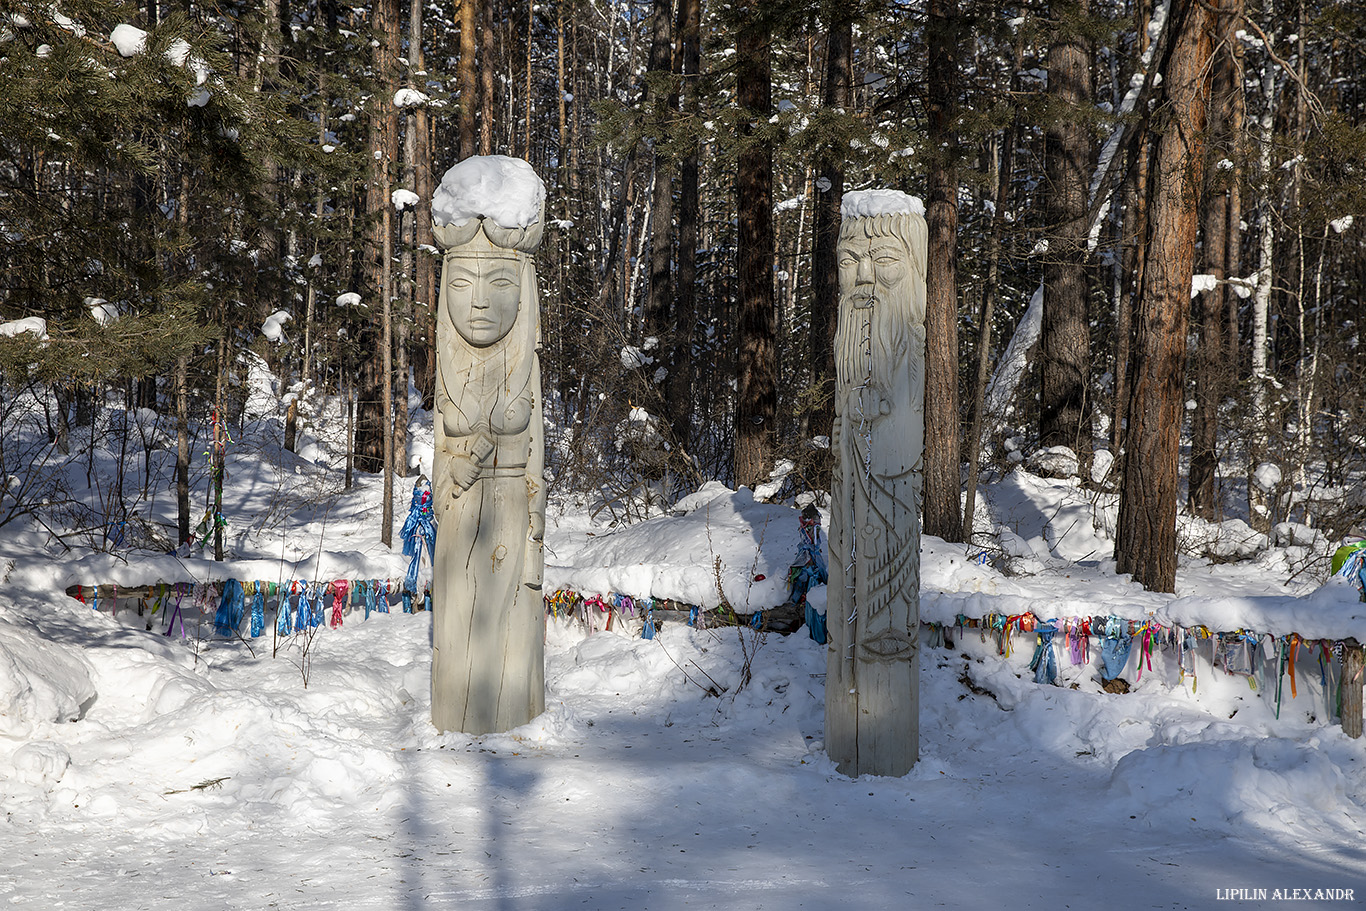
218	468
1217	336
1066	341
423	334
825	234
659	301
678	391
756	367
990	291
374	420
467	78
1134	260
1146	541
1133	256
943	515
487	101
1258	506
1350	687
386	529
528	97
182	450
350	435
374	415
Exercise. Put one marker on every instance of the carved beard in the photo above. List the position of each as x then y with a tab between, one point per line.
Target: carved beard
869	342
853	363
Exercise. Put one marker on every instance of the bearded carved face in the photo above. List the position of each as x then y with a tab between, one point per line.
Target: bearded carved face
873	270
483	294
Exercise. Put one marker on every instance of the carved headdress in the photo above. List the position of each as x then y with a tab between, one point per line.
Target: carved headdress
523	239
493	206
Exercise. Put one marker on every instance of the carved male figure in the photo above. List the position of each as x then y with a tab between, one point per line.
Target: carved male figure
872	684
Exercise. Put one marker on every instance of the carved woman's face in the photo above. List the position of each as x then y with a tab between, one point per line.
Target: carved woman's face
482	297
872	269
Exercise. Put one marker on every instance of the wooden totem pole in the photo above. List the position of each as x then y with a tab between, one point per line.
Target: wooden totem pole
488	624
872	688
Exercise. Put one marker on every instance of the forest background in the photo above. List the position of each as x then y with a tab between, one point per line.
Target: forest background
1143	268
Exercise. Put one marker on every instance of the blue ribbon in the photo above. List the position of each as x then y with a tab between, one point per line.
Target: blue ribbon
1044	664
315	614
229	617
418	528
815	623
282	626
304	609
258	611
1114	650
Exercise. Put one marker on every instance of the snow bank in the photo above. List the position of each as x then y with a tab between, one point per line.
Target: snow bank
675	557
321	565
690	768
1334	611
41	682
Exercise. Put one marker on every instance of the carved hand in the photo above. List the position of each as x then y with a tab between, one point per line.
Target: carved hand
464	472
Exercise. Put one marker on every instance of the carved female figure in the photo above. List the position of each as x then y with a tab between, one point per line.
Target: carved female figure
872	703
488	666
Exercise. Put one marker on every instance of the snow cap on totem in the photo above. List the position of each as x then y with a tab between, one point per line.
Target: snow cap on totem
871	203
502	195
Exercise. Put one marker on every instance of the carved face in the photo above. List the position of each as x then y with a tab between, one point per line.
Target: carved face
873	269
482	297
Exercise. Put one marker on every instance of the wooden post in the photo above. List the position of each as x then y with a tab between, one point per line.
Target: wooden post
488	482
872	684
1352	664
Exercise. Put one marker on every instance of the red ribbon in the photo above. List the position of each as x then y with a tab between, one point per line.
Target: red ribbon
338	601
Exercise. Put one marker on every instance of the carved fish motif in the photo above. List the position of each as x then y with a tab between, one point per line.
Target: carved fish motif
888	645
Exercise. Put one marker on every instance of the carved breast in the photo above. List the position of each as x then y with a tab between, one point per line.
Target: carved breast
486	403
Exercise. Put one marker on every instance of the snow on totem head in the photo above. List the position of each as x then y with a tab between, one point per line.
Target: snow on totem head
502	195
868	203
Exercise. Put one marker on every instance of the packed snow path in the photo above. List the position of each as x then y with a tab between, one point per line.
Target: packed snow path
637	790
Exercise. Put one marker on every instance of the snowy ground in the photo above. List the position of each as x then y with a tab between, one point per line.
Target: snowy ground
146	772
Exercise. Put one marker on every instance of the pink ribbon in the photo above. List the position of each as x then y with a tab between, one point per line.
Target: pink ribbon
338	601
